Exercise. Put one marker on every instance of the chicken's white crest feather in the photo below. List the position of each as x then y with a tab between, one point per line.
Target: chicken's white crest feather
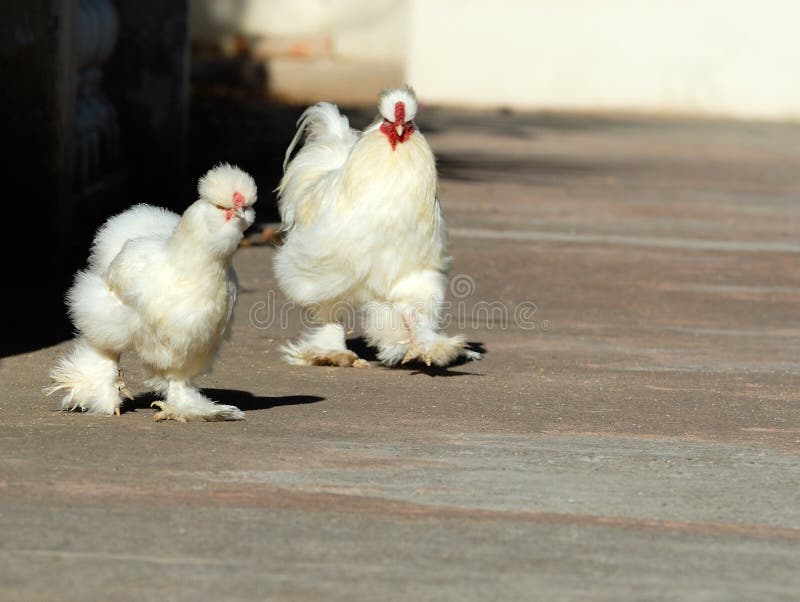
220	184
389	98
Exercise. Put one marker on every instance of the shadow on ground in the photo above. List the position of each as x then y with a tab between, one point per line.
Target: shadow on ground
359	346
478	167
243	400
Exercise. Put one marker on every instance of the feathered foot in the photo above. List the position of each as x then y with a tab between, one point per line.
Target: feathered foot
185	403
424	344
439	350
323	346
304	355
219	413
90	379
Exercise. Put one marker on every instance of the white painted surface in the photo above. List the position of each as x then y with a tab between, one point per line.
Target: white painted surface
735	57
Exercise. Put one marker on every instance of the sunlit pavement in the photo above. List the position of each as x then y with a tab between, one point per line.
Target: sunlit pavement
632	433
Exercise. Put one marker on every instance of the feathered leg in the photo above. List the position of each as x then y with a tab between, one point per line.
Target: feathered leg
184	403
322	346
385	330
407	328
90	379
427	344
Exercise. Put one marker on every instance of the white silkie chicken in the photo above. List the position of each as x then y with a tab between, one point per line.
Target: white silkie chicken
365	232
162	286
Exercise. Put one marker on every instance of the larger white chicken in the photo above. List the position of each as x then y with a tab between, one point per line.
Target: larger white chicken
365	232
162	286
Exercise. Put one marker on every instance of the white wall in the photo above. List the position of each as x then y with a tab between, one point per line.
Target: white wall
718	57
735	57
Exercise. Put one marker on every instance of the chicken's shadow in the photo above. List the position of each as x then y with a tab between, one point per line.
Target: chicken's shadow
359	346
243	400
247	401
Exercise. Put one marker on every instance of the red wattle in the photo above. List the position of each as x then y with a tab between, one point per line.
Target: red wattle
389	131
409	129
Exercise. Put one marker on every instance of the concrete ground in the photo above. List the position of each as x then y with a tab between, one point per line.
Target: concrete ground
633	432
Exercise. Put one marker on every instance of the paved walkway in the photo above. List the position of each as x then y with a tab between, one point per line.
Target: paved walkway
633	432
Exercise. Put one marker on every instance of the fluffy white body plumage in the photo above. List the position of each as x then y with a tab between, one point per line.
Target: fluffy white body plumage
365	233
161	286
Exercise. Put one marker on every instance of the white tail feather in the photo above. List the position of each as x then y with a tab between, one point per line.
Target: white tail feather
329	140
321	121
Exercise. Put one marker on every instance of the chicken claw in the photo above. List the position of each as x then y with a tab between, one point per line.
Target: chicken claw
122	387
411	355
415	354
441	351
165	413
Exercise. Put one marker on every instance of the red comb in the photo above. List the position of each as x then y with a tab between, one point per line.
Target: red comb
238	199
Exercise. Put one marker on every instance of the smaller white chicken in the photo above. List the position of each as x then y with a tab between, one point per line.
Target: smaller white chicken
162	286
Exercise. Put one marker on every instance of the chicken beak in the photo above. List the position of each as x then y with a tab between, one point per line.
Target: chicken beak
399	129
239	213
